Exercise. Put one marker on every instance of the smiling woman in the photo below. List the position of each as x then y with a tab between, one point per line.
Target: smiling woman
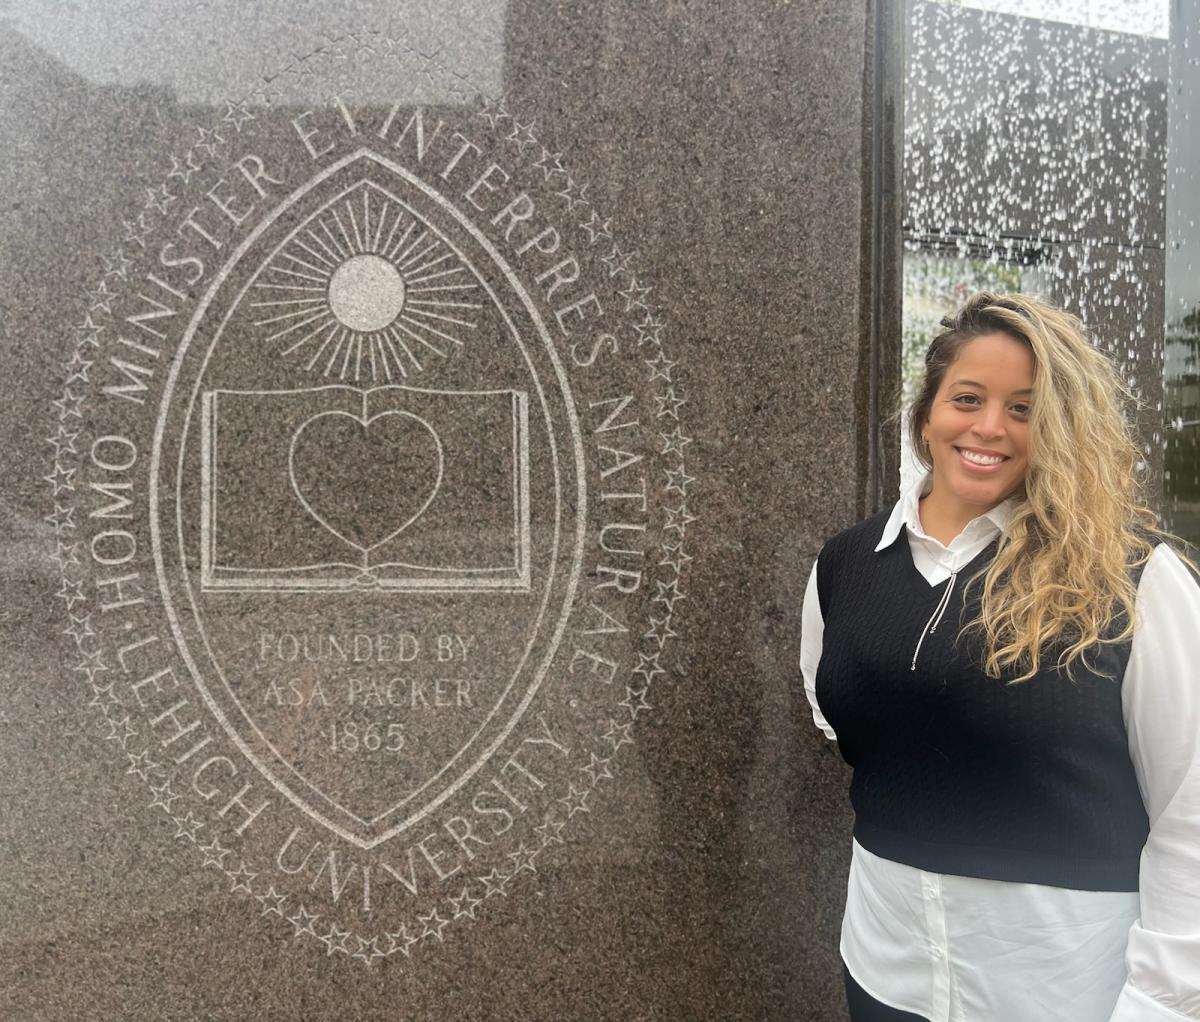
975	432
1022	822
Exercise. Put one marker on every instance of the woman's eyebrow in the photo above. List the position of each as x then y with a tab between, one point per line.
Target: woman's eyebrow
972	383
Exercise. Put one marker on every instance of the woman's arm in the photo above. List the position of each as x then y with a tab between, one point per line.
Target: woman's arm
812	630
1161	703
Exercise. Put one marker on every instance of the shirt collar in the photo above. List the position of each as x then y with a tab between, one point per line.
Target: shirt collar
906	513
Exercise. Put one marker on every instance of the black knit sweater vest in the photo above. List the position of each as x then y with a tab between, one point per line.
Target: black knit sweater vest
956	772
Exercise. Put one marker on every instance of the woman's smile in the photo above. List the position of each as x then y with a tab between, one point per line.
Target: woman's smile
978	430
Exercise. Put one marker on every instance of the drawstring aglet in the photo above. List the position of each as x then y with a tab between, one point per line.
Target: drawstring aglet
934	619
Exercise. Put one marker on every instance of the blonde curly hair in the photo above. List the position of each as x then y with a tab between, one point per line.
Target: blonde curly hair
1061	575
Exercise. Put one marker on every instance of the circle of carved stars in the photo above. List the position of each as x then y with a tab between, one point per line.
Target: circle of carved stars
643	329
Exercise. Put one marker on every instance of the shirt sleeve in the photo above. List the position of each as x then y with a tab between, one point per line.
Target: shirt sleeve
1161	703
812	630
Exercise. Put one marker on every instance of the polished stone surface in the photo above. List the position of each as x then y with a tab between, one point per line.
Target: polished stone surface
444	410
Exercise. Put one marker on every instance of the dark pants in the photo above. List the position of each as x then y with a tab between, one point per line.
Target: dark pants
864	1007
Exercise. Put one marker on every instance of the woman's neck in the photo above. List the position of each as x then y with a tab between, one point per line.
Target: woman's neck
944	522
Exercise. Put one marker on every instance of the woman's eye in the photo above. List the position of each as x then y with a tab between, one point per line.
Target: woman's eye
968	399
1021	410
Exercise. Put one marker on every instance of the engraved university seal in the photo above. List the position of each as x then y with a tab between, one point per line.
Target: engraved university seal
370	502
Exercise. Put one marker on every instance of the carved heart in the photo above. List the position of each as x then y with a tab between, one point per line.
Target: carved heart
365	480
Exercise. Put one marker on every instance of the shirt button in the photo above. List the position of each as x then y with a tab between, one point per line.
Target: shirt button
936	952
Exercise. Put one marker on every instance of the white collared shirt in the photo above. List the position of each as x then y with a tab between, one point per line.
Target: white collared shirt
964	949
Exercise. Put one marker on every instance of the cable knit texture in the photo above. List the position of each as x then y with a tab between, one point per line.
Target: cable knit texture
956	772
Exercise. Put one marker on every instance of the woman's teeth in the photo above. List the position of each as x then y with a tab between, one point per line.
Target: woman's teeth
981	459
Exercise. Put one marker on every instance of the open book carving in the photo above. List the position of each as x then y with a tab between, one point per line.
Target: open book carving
337	487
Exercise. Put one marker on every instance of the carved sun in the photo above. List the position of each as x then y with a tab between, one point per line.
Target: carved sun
364	290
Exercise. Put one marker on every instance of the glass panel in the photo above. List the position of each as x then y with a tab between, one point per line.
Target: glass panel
1048	162
1181	364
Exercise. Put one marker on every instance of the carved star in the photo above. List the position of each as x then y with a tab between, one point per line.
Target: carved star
597	769
186	827
678	518
63	440
91	665
668	593
523	859
465	904
668	404
648	666
649	328
241	878
660	367
635	701
674	442
303	921
104	699
60	478
679	559
209	140
678	480
81	626
214	853
65	555
493	110
267	94
493	883
164	796
551	832
522	135
184	170
62	518
159	198
271	901
392	44
101	298
660	630
69	405
429	64
573	194
367	950
618	734
597	227
575	800
77	368
89	332
433	924
71	592
461	89
617	261
400	940
237	113
335	940
140	762
635	297
136	230
121	731
332	45
118	265
550	164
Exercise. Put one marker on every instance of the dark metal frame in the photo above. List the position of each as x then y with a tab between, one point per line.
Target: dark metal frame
883	267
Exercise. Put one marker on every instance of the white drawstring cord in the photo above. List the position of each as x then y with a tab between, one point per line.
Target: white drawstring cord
934	619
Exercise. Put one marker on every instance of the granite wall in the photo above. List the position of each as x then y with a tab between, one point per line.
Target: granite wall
420	424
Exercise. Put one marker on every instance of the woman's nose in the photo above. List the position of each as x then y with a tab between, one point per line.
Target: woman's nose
991	422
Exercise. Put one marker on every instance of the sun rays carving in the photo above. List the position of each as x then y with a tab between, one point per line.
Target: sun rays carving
363	290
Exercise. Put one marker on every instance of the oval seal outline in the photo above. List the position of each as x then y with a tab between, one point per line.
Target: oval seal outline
572	581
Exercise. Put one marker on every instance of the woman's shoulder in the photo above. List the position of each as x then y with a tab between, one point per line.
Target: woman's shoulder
1166	570
866	534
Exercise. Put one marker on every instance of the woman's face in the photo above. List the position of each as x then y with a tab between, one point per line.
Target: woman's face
978	425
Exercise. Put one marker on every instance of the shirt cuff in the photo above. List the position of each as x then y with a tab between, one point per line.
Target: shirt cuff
1135	1006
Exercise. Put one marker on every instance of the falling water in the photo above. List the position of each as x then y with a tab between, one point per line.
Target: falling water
1036	152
